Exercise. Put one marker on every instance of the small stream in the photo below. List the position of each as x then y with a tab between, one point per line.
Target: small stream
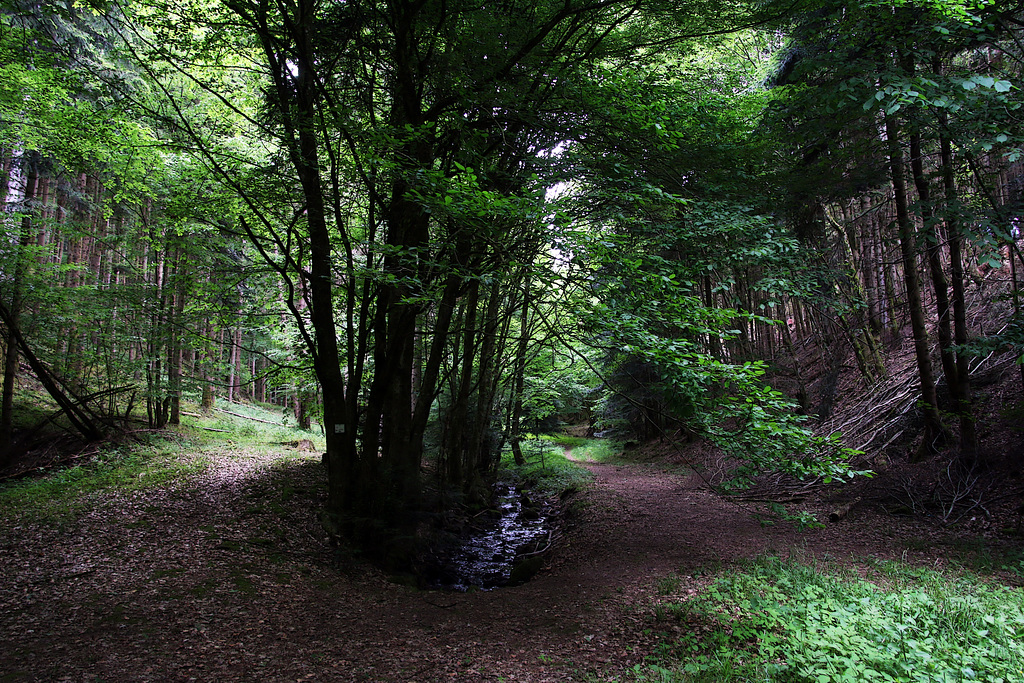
487	555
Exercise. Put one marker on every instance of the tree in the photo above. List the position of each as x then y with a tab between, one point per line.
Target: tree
413	134
907	68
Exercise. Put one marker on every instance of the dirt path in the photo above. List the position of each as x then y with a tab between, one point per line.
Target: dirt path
229	578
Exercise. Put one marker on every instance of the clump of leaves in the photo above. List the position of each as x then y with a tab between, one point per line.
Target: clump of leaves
784	621
803	519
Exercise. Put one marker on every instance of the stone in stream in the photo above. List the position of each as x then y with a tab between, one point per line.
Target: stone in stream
525	569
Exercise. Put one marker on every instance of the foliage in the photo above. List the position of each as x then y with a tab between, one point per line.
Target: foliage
62	495
547	470
786	621
659	338
803	519
148	461
557	387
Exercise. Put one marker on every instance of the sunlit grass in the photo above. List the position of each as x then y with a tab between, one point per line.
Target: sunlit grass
153	460
261	428
547	470
67	491
589	449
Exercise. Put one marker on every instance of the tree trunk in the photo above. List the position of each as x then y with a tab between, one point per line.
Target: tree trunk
787	339
964	409
933	246
934	429
14	321
519	373
295	85
174	351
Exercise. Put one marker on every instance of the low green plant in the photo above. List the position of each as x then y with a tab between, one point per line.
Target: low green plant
668	585
802	519
786	621
977	555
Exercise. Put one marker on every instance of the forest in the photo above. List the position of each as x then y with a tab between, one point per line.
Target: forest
319	287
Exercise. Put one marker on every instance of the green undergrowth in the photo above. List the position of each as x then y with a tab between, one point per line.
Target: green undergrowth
260	428
127	467
589	449
547	470
786	621
152	459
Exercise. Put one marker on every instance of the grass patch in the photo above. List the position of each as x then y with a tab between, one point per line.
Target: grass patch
786	621
62	494
251	427
976	555
598	450
66	492
546	471
587	449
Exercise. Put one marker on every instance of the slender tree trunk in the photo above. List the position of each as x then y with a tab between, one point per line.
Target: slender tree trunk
174	352
233	367
855	326
891	303
519	373
934	429
714	341
458	445
964	410
491	349
156	404
872	264
787	339
933	246
14	322
295	84
205	366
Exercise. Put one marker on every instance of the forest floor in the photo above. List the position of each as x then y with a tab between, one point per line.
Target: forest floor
227	576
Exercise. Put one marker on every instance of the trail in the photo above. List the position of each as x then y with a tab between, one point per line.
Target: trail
228	578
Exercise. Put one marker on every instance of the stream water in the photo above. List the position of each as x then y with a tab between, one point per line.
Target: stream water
486	556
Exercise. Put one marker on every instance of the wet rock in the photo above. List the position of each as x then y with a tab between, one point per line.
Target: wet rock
525	569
